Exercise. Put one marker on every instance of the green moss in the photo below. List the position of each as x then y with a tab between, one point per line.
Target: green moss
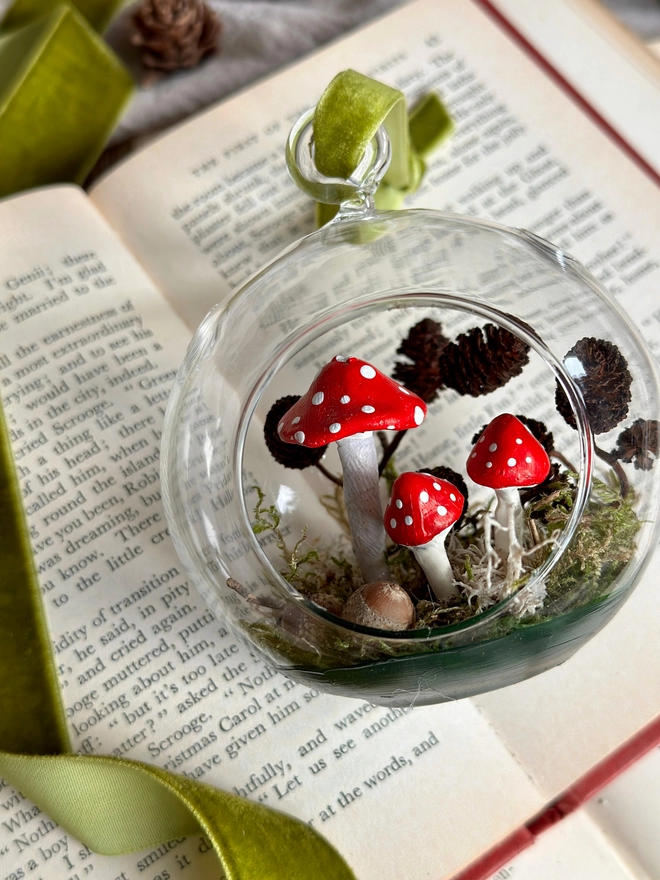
602	546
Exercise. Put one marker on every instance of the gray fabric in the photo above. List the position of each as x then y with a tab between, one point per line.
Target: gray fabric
257	37
641	16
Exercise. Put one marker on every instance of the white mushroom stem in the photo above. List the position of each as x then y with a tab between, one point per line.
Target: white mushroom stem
509	516
359	460
432	557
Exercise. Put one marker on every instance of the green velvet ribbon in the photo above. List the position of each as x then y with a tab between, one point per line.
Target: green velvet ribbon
62	90
114	805
350	112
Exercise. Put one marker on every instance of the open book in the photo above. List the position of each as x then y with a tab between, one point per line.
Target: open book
100	296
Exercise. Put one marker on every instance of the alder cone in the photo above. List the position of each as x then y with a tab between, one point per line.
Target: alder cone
423	345
483	360
174	35
291	455
639	444
604	381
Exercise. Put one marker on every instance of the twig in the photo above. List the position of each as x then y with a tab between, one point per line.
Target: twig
390	450
614	463
326	473
562	458
250	597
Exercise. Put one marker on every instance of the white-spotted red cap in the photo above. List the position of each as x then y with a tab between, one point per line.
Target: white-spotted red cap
350	396
507	455
420	507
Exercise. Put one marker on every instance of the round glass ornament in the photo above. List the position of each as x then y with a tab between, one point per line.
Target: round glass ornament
253	535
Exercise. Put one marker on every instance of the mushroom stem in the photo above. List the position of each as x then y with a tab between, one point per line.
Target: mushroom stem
359	461
390	450
509	516
432	557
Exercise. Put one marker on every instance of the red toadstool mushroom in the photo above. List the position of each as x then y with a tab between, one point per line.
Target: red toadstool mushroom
507	457
421	510
347	401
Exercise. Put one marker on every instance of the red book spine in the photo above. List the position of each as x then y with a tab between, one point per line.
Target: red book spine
584	789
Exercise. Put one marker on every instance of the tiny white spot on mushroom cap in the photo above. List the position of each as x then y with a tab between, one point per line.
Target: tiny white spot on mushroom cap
436	486
481	439
405	390
367	371
299	436
340	358
368	409
408	520
452	496
390	427
318	398
423	496
474	455
492	447
529	459
334	427
442	510
296	420
419	415
511	462
399	503
518	441
345	399
489	464
393	523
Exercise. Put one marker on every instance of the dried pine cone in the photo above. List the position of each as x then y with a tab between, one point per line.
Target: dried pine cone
604	380
423	346
291	455
174	35
446	473
639	444
483	360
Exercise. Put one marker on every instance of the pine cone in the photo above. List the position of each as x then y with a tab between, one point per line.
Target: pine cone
174	35
291	455
639	444
442	472
423	345
483	360
604	381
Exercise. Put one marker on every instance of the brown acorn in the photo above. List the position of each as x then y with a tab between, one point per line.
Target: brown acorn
380	605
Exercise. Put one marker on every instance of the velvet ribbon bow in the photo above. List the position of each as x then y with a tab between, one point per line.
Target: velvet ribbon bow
348	115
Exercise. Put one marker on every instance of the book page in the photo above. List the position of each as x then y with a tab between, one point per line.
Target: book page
205	206
89	352
627	811
573	849
211	202
608	64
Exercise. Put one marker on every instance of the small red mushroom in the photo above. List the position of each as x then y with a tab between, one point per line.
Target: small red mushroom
347	401
507	457
421	510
